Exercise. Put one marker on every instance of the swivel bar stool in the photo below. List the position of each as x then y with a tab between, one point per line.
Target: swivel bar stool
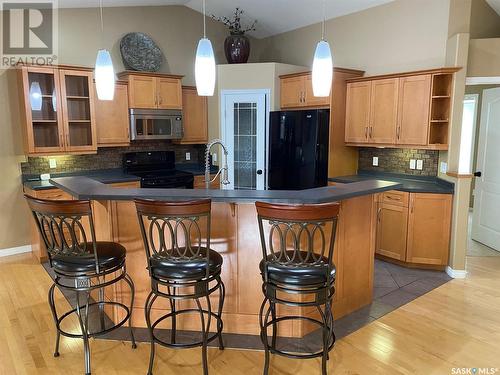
81	265
297	260
181	268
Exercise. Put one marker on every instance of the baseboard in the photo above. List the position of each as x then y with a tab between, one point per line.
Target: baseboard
15	250
456	274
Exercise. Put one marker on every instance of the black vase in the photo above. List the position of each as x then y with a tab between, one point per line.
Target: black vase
237	49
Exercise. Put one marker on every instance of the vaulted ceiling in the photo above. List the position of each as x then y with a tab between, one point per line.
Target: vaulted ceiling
495	4
274	16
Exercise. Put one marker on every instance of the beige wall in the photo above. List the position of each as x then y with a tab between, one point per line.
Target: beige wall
484	21
176	29
403	35
484	58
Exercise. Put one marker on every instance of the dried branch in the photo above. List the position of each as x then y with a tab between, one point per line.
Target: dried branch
234	24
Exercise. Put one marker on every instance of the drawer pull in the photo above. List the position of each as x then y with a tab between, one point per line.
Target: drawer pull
393	198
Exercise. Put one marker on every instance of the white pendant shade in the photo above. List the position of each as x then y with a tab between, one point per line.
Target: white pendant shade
35	96
204	68
322	71
54	101
104	75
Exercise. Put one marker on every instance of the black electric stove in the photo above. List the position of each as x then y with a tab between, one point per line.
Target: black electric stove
157	170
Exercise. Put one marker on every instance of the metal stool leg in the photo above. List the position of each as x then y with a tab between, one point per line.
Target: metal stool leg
172	301
147	312
130	283
84	328
326	337
275	328
204	337
263	334
52	305
222	296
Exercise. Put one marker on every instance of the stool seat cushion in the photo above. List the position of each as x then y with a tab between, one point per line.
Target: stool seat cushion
298	275
109	256
192	269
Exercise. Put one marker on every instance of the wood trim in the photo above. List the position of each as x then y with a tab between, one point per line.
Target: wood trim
55	67
439	147
410	265
336	70
445	70
127	73
458	175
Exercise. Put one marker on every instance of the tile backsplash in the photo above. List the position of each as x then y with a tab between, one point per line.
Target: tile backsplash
109	157
397	160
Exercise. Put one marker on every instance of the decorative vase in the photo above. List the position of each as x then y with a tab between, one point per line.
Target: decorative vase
237	48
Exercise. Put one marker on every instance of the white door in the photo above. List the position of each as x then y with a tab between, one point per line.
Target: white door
486	219
243	129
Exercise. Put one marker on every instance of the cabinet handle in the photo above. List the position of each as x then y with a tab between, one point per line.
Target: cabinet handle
67	140
398	131
61	140
371	131
160	100
393	198
366	132
378	214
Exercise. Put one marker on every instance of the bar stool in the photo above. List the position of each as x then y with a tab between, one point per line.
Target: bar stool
297	260
81	265
181	268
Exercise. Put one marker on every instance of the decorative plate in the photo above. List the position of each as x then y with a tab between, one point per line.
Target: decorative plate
140	52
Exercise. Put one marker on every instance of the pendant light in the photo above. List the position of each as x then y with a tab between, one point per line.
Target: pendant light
35	96
204	66
322	71
104	71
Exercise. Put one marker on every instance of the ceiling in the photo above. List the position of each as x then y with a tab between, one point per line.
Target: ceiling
495	4
282	16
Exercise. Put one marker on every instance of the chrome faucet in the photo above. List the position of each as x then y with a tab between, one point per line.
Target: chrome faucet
224	171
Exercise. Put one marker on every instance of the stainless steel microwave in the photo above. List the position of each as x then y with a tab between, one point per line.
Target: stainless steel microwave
155	124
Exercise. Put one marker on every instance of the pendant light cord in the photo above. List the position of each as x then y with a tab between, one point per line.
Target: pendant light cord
324	21
204	21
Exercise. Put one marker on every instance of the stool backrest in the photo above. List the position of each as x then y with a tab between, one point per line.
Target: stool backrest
61	224
175	231
297	235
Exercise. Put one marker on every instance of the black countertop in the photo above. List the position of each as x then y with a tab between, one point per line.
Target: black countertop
88	188
408	183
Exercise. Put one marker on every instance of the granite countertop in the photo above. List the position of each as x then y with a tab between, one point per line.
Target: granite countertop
105	176
195	168
408	183
88	188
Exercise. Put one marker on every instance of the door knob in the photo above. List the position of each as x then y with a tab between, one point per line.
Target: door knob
259	171
477	174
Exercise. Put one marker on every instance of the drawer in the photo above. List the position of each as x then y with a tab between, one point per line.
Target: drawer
53	194
398	198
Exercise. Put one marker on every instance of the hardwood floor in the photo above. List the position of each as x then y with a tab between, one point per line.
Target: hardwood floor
455	325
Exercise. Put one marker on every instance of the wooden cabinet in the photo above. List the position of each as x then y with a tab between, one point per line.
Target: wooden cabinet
296	92
153	90
429	229
400	110
195	116
112	121
357	114
199	182
57	110
414	228
413	113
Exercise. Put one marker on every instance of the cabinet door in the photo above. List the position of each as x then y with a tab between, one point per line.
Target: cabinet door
112	119
195	116
383	111
310	99
169	91
292	92
77	97
142	92
392	224
42	115
429	228
413	112
357	120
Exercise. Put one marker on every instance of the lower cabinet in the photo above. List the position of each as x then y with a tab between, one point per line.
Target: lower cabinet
415	229
199	182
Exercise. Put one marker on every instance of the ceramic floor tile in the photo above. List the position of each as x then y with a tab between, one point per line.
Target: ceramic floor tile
397	298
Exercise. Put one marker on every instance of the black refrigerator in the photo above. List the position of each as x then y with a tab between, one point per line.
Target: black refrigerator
298	149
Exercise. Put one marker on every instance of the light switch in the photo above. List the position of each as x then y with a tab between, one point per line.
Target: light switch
443	167
420	164
375	161
52	163
188	156
413	163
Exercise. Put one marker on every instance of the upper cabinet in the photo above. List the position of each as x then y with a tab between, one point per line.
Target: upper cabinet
57	110
195	116
296	92
153	90
400	110
113	127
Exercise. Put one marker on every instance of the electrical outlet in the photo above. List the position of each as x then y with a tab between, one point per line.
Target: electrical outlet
420	164
52	163
443	167
375	161
188	156
214	157
413	163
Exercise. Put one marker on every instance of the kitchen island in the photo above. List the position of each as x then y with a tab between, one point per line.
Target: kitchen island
235	236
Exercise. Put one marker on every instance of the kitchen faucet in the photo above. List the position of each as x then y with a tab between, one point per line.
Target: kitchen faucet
222	171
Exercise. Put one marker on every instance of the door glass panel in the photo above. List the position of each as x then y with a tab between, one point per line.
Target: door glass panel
45	134
80	134
78	105
245	145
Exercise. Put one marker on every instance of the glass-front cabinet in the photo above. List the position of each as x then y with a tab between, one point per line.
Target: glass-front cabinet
58	110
